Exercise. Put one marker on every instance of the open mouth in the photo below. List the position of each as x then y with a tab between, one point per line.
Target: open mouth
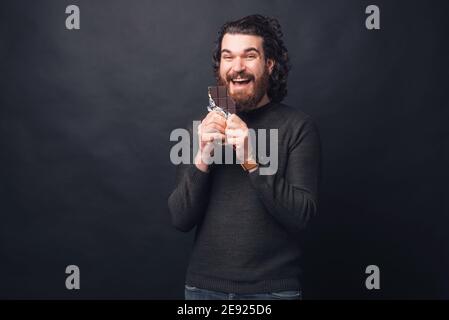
240	82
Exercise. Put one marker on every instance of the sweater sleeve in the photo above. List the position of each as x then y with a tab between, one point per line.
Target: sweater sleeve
292	198
188	201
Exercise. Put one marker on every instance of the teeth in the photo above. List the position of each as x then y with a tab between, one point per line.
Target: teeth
240	80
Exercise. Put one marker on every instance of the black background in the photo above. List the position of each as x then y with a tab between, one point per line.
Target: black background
85	119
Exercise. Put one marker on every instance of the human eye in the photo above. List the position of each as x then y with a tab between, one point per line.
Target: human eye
226	57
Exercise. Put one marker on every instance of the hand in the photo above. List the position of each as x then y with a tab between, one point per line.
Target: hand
237	134
210	130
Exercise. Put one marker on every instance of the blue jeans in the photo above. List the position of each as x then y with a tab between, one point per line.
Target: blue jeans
194	293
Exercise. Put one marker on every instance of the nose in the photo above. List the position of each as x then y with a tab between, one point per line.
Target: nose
239	65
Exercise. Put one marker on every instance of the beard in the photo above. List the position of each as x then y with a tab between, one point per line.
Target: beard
247	99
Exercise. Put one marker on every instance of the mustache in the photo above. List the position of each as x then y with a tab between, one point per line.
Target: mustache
243	75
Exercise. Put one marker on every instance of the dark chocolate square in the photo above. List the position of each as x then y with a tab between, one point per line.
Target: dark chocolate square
221	98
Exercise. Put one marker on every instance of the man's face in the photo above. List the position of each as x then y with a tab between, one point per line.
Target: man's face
244	69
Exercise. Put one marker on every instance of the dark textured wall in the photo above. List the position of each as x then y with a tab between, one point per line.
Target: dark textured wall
85	118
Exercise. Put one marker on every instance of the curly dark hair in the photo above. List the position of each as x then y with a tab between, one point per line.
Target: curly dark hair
273	45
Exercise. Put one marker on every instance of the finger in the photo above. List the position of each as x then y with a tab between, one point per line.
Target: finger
208	148
232	139
214	126
230	132
215	116
234	118
218	120
207	152
213	137
220	124
235	122
203	127
235	132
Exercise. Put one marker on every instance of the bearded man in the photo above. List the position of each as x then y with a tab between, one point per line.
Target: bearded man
248	224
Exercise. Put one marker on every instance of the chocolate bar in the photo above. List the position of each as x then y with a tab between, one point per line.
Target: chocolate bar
219	94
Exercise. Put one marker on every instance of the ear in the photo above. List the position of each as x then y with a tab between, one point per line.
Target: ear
270	64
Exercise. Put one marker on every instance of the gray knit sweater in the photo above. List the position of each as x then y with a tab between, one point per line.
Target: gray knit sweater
247	224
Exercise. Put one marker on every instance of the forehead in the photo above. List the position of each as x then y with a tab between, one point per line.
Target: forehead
237	43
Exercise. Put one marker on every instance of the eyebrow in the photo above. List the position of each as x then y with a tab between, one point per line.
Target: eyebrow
246	50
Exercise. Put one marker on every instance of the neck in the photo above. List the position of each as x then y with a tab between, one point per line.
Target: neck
263	101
